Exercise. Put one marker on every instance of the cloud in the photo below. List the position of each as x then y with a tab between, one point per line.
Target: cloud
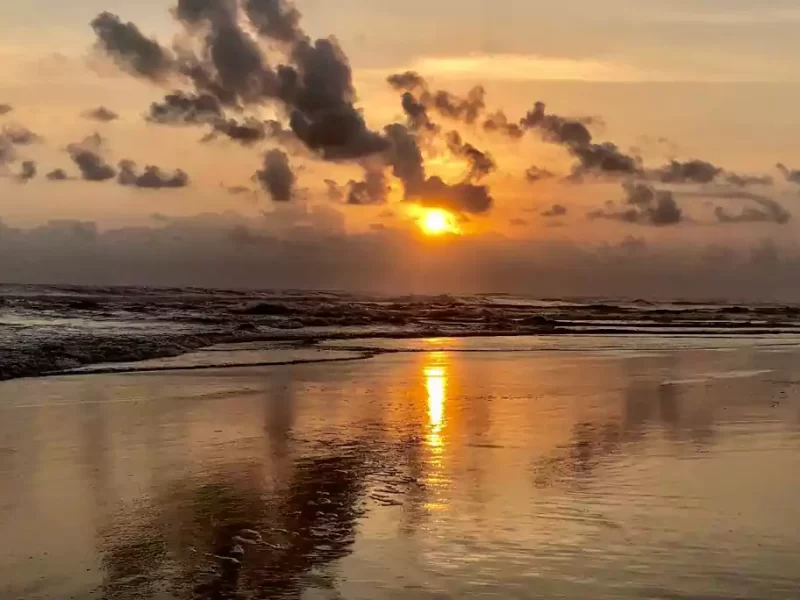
791	175
185	108
8	153
372	190
574	135
557	210
131	49
19	135
418	98
277	177
536	174
518	222
693	171
643	205
102	114
57	175
275	19
248	131
230	251
86	155
417	113
5	109
497	122
768	211
407	163
151	178
28	171
231	65
480	163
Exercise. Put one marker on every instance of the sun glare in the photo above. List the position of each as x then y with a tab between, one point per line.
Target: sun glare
436	221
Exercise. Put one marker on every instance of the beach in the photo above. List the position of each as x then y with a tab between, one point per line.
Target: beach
527	467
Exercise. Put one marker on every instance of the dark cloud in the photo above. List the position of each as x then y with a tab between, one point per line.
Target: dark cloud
605	158
131	49
417	113
791	175
518	222
768	211
277	177
459	198
86	155
461	109
248	131
151	178
498	122
409	81
405	157
372	190
536	174
573	134
28	171
321	94
480	163
408	166
556	129
275	19
19	135
5	109
692	171
57	175
102	114
185	108
557	210
643	205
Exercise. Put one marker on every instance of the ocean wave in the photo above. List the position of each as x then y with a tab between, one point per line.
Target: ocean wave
47	329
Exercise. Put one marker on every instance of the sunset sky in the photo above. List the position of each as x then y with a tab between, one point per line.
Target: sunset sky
698	97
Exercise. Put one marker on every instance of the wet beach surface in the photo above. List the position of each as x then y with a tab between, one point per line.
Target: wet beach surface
640	467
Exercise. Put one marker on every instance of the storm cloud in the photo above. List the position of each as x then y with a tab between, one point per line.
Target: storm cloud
277	177
5	109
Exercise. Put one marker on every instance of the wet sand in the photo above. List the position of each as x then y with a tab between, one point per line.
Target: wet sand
645	468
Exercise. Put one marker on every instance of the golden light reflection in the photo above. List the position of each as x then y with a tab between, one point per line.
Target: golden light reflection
436	387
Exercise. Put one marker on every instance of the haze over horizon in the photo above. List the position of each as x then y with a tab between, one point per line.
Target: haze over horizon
580	149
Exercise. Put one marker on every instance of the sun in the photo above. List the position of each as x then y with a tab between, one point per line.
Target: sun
436	221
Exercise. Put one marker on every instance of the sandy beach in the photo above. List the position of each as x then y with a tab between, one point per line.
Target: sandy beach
638	468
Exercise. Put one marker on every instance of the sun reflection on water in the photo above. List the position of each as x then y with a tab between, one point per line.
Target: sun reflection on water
436	380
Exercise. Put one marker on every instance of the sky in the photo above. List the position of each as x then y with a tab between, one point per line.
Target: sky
578	148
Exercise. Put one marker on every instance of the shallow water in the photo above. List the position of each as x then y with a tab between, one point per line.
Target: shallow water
650	470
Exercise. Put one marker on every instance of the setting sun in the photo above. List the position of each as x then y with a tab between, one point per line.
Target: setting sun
436	221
